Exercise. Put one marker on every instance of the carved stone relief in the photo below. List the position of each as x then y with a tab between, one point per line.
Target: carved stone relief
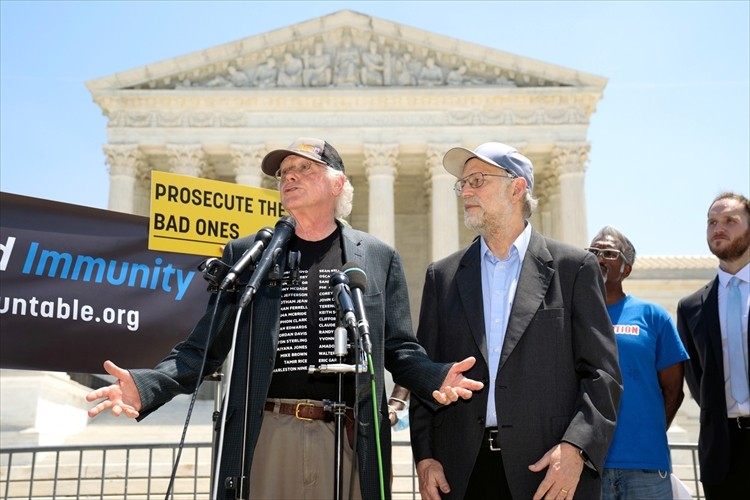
347	58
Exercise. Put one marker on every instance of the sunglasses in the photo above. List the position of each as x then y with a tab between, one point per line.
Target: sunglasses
606	253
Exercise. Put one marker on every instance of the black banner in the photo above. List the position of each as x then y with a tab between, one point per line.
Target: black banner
78	285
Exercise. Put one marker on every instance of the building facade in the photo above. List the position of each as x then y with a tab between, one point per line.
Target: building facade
392	99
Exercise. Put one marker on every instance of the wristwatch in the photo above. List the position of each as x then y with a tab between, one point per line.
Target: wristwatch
585	459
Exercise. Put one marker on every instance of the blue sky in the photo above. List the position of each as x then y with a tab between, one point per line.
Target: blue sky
672	131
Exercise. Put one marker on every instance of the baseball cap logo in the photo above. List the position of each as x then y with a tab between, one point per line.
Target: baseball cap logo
310	148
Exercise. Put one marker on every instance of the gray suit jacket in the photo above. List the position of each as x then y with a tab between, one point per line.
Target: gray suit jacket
394	347
700	330
558	379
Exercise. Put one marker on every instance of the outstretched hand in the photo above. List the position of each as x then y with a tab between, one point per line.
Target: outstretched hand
456	385
120	397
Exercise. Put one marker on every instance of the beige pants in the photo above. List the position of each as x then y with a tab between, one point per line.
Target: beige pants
294	459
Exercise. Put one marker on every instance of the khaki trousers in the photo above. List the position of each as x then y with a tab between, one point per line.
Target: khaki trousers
294	459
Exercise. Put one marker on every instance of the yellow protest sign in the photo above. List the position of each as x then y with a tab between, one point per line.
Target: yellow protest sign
199	216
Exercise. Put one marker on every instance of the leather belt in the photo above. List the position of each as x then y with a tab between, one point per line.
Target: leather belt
307	410
741	422
491	439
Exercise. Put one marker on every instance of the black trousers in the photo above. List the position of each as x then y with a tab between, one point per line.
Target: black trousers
737	483
488	476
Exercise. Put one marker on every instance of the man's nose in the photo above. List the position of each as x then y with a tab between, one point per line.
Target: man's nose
289	174
467	191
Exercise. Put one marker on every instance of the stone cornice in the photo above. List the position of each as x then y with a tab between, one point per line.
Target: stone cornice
343	100
391	110
508	117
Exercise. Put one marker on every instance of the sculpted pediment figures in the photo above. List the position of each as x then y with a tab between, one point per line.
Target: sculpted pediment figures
353	54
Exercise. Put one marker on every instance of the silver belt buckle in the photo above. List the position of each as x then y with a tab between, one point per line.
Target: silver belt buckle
491	440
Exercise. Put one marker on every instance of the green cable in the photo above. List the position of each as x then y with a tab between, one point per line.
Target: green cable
376	427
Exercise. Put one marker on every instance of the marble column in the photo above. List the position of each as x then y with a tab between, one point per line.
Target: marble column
246	160
544	189
381	163
569	163
187	159
443	203
125	161
142	198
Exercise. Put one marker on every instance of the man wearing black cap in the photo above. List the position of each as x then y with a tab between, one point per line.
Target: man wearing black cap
292	454
531	311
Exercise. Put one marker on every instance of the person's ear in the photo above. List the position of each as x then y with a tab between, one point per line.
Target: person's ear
337	185
625	269
519	188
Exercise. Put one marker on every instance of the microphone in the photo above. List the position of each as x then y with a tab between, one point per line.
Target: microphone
339	283
358	285
282	233
248	258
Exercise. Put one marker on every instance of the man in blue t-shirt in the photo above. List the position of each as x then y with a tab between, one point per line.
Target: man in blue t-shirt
651	360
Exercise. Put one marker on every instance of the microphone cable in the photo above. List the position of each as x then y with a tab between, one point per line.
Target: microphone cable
376	426
225	405
193	398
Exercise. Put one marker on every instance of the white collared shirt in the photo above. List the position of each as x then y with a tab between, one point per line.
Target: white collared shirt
734	409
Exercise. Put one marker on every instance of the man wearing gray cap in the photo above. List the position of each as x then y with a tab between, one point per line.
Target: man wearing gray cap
292	454
531	311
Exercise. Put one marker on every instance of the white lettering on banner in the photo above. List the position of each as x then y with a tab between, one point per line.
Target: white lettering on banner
61	309
627	329
6	249
87	268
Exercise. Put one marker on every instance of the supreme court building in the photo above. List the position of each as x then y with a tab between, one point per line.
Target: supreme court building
392	100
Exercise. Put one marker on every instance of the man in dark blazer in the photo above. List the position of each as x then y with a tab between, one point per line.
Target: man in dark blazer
531	310
703	324
287	456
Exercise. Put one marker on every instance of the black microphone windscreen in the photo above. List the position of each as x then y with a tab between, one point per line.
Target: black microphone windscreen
356	275
338	279
264	234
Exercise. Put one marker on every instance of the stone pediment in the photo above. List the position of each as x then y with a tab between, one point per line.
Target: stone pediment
346	49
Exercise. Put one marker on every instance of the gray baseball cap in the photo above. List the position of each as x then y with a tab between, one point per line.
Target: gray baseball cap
495	153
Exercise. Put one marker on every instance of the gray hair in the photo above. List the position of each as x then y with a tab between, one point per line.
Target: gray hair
614	233
529	204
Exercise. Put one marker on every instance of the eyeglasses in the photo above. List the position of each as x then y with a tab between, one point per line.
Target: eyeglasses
607	253
302	170
475	180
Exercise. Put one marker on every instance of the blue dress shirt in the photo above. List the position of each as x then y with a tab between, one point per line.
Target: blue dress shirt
499	282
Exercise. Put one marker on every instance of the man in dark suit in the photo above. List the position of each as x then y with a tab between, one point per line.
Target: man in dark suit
713	324
531	310
292	454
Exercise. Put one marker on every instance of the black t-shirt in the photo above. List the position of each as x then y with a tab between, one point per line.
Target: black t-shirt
306	325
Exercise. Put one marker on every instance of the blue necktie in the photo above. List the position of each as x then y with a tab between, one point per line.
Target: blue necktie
737	369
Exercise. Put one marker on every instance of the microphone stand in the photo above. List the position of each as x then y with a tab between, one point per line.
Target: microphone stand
240	483
340	341
236	483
